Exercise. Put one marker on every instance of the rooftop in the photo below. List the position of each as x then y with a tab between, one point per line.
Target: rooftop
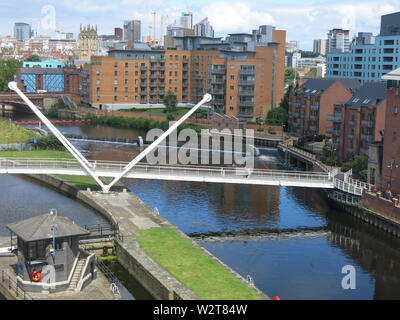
39	228
393	75
369	94
317	86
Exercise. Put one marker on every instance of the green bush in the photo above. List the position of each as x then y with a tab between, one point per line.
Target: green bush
143	124
49	142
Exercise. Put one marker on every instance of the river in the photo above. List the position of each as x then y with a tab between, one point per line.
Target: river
304	243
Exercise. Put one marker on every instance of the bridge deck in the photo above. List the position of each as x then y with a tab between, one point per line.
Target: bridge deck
169	172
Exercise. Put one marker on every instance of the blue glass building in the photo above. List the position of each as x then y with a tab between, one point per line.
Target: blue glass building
370	57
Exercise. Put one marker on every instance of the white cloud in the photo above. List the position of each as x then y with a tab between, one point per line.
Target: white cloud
228	17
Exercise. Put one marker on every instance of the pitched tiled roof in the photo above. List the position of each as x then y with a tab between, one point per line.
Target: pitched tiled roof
317	86
369	94
39	228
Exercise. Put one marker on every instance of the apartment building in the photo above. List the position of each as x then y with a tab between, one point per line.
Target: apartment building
390	179
370	57
246	84
312	102
338	41
359	121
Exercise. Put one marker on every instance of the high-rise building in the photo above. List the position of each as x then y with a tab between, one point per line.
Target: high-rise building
292	46
320	46
163	28
22	31
88	42
370	57
204	29
338	41
118	34
132	30
245	84
186	20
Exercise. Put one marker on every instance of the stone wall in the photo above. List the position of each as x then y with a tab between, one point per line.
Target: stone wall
381	205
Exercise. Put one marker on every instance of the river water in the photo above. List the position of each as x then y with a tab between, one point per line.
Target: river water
299	250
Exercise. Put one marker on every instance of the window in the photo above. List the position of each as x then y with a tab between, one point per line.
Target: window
126	64
32	250
59	244
41	249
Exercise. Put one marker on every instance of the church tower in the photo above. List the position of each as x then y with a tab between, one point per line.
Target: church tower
88	42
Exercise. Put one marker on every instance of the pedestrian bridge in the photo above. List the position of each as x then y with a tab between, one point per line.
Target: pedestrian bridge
169	172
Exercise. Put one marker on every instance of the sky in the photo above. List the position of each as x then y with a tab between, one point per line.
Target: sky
304	20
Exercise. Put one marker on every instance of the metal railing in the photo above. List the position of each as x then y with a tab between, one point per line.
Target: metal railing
11	285
113	168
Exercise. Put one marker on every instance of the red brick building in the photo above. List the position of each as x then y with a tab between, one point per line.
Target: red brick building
390	179
359	121
312	102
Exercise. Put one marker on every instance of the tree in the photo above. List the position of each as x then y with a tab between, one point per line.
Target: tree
291	74
285	100
278	116
33	58
308	54
359	166
170	102
7	72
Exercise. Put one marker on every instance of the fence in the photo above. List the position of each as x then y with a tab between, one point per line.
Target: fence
11	285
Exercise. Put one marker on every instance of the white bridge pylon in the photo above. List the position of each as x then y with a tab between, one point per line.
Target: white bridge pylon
82	160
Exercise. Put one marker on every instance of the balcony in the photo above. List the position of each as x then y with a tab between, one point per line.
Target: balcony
197	85
218	91
143	93
366	137
153	84
350	136
246	103
197	77
218	101
143	84
351	123
161	92
161	84
143	68
314	118
143	77
334	118
218	71
248	93
246	82
247	72
217	81
313	128
314	107
367	123
333	132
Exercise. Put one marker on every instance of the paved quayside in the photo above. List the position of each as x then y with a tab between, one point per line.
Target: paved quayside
132	215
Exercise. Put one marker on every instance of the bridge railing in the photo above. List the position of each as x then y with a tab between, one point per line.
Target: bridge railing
113	166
